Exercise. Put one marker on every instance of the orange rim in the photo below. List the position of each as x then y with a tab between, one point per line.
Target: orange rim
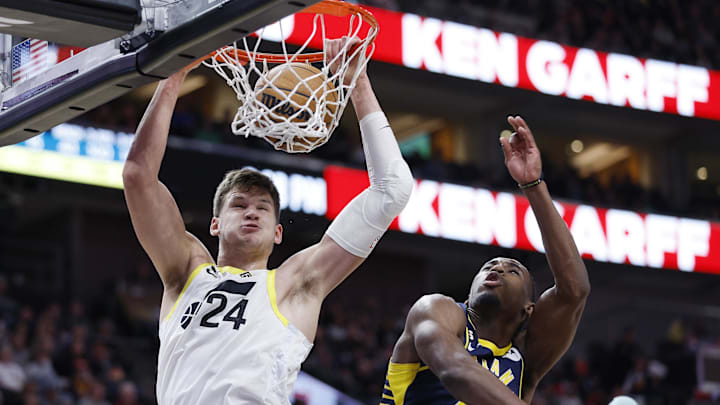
337	8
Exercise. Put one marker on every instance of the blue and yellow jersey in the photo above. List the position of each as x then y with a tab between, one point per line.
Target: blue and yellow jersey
415	384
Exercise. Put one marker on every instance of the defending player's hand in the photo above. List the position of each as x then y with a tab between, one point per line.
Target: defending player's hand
522	156
333	47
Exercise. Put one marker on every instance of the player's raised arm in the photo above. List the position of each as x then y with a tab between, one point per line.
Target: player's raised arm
434	324
153	211
356	230
558	310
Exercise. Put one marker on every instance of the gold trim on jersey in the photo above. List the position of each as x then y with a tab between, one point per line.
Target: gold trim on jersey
522	377
230	269
497	351
400	376
273	297
185	287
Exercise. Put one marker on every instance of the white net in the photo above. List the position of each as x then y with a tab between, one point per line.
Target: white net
295	105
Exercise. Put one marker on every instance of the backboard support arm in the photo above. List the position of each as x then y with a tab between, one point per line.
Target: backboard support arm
73	94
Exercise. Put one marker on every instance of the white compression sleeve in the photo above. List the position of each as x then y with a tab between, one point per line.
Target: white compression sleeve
365	219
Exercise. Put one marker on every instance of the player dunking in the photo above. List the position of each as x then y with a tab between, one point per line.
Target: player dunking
495	348
232	332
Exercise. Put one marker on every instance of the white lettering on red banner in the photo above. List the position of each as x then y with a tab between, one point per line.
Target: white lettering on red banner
278	31
547	67
626	237
626	81
420	215
482	216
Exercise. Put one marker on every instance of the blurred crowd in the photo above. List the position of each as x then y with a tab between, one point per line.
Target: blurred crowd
354	344
54	354
654	373
60	354
675	30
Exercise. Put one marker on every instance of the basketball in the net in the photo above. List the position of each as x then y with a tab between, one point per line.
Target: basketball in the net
309	85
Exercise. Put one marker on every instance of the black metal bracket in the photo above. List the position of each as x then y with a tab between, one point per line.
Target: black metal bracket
158	59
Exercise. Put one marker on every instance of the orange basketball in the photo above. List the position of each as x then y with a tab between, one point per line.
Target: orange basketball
310	82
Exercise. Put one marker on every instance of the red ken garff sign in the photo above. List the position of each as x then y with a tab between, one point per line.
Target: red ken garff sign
543	66
486	217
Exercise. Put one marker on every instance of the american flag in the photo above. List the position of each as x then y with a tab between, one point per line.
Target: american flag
28	59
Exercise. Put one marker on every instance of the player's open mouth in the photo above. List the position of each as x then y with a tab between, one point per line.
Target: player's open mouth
492	283
492	280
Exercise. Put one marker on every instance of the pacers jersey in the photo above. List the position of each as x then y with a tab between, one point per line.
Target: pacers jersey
225	342
415	384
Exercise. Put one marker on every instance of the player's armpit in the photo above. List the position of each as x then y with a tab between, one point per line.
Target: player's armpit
435	323
353	234
303	281
550	331
161	231
318	269
558	311
153	211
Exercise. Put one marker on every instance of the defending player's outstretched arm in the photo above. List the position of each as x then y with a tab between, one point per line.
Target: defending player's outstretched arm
153	211
317	270
434	324
558	310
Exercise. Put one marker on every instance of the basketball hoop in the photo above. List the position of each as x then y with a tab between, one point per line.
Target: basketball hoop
291	123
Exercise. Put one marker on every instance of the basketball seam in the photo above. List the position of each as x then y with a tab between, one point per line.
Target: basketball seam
290	91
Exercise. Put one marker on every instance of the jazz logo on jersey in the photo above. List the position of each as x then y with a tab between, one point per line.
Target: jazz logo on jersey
190	312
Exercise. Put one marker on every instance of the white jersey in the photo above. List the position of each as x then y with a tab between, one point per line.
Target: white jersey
225	342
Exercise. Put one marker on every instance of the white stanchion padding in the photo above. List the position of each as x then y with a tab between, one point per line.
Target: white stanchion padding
623	400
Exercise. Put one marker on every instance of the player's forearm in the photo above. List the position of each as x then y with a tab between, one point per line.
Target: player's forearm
571	277
363	97
385	164
148	148
435	323
363	221
477	387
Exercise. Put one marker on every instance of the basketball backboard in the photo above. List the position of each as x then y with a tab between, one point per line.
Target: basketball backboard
85	23
169	35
